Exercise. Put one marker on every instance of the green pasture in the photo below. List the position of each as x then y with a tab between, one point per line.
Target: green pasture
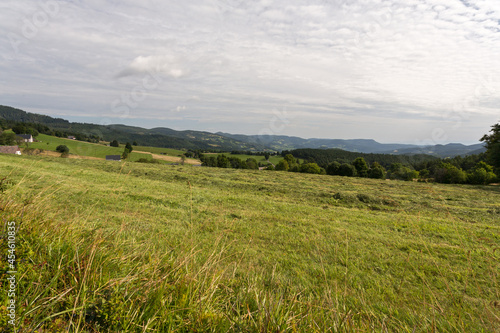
130	247
82	148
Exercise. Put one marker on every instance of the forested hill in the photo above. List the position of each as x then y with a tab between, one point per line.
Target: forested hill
157	137
8	113
323	157
200	140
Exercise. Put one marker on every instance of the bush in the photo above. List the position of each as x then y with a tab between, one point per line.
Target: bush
63	149
401	172
449	174
361	167
282	166
376	171
481	174
347	170
333	168
310	168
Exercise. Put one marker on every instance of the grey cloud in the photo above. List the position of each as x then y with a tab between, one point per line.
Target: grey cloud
399	59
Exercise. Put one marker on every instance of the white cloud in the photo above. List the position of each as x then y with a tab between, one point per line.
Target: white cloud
396	61
167	65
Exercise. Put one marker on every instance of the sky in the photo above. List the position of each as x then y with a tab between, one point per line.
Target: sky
400	71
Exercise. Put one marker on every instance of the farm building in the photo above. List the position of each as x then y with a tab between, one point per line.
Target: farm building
10	150
71	137
26	137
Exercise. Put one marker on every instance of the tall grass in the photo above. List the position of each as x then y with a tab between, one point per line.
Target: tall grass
156	249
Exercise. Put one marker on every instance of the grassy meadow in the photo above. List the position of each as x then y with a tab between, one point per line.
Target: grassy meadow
82	148
130	247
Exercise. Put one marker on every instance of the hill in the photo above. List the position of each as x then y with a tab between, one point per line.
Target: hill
443	151
159	137
108	247
200	140
283	142
326	156
366	146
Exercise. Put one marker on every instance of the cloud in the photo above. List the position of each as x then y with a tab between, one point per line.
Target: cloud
392	60
142	65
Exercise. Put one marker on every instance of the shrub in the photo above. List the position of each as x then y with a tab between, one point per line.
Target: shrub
310	168
63	149
481	174
376	171
449	174
333	168
401	172
361	167
347	170
282	166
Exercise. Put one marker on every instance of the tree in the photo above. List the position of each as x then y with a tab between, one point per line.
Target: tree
114	143
493	146
399	171
252	163
128	146
223	162
266	156
19	129
310	168
292	163
347	170
209	161
134	143
361	167
62	149
376	171
8	139
449	174
290	159
481	174
125	154
282	166
333	168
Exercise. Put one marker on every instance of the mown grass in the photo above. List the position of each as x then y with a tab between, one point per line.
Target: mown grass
108	247
82	148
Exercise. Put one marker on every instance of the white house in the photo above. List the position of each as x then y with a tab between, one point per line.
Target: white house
26	137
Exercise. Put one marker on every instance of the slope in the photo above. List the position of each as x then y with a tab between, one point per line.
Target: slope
131	247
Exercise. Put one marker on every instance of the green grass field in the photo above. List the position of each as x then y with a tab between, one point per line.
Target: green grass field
129	247
82	148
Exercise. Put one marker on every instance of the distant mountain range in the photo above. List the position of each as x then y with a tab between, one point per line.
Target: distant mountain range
281	142
166	137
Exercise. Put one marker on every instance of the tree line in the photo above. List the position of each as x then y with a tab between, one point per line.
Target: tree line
473	169
36	128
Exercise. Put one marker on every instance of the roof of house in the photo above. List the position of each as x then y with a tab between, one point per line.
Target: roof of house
113	158
25	136
9	149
